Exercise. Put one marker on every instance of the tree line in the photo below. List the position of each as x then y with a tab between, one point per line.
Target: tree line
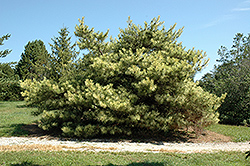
140	82
232	76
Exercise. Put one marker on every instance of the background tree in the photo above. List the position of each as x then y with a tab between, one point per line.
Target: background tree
232	76
34	62
136	84
4	53
63	55
9	82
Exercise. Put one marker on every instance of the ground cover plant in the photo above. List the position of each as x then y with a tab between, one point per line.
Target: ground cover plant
125	158
140	82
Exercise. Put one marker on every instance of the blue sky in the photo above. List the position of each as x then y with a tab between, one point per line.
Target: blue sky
208	24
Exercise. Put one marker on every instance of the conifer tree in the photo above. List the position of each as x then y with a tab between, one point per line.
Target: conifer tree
4	53
34	62
63	55
135	84
9	83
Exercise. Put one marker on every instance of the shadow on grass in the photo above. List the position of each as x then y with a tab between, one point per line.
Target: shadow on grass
27	130
24	105
142	164
21	129
17	130
13	130
25	163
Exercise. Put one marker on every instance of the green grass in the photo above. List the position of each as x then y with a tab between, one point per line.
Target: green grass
13	115
124	158
237	133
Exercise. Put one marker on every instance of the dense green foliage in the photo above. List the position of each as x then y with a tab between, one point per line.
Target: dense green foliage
9	83
232	76
137	83
34	62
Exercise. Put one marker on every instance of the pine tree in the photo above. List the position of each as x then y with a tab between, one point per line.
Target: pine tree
34	62
63	55
137	84
4	53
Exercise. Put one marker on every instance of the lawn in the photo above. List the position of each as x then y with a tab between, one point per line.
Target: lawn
237	133
124	158
14	115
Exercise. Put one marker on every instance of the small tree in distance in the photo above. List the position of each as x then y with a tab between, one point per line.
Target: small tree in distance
34	61
135	84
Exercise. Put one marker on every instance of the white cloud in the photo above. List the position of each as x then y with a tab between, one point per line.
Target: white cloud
219	20
243	6
241	9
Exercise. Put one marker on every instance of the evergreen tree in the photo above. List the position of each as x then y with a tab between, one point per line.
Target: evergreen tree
34	62
63	55
232	76
136	84
4	53
9	82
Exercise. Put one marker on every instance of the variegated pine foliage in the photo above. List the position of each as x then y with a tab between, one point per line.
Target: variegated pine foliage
140	82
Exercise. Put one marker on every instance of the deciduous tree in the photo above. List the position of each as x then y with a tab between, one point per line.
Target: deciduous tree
232	76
